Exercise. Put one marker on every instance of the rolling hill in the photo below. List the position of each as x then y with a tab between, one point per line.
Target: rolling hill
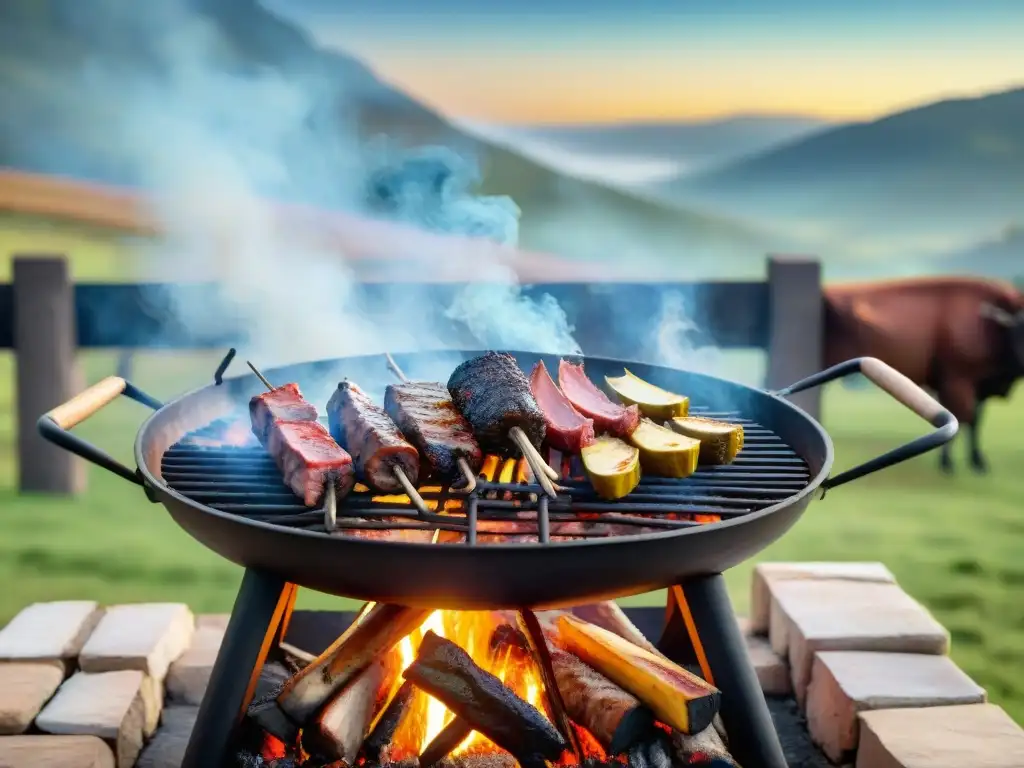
112	91
952	169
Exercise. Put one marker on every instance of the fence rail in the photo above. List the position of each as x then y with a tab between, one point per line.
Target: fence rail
45	319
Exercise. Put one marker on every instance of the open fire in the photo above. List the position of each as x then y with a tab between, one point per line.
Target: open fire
466	689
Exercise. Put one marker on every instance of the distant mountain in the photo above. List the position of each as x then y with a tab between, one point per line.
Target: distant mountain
953	169
69	71
641	153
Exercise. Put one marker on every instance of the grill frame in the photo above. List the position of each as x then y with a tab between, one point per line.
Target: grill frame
495	576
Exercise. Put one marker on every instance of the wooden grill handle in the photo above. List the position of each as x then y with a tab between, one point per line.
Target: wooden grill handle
85	404
904	391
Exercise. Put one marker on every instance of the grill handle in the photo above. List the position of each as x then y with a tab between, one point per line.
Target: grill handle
902	389
56	424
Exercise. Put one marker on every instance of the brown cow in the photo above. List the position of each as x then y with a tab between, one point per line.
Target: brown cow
963	338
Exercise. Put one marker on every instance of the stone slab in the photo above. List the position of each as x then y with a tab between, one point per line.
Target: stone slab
190	673
975	735
145	636
110	705
766	574
49	631
772	670
24	689
167	748
845	683
832	615
55	752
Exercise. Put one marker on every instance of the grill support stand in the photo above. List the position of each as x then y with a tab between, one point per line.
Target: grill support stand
258	620
701	629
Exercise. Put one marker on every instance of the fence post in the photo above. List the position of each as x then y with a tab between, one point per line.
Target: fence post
44	346
795	326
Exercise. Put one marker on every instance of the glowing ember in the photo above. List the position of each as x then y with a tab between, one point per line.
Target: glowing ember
426	716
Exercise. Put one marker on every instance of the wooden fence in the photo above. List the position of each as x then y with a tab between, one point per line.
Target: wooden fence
45	319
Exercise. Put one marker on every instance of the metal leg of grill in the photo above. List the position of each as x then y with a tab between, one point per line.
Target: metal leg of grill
718	647
260	608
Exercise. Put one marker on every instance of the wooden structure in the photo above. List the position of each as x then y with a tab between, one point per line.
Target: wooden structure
45	318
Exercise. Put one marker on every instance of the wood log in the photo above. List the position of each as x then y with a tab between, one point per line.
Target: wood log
382	627
704	749
614	717
340	728
608	615
448	739
676	697
447	673
383	731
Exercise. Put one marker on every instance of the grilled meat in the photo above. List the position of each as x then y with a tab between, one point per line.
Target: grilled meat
377	446
493	394
615	419
567	429
308	458
426	415
283	403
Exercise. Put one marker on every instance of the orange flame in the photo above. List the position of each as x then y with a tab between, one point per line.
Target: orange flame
426	716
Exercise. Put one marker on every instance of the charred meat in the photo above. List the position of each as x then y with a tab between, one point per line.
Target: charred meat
377	446
492	392
615	419
308	459
567	429
284	403
426	415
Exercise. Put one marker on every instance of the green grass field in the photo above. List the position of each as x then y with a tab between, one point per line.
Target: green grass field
953	542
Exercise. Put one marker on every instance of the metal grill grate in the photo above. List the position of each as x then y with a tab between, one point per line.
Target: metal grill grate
245	481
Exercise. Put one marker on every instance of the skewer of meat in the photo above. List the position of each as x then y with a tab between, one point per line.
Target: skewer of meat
613	418
382	455
492	392
567	429
425	413
312	464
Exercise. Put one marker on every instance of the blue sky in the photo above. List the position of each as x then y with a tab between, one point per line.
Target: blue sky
558	61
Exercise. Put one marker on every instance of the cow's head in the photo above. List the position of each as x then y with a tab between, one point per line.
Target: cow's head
1013	323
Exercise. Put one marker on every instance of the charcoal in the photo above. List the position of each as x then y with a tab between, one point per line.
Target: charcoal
494	395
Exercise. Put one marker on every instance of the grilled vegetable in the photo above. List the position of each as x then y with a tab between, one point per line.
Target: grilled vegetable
613	467
654	402
664	452
720	441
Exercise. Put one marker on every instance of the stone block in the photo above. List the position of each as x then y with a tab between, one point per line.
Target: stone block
845	683
24	689
49	631
767	573
830	615
146	637
772	670
213	621
167	748
189	675
55	752
975	735
110	705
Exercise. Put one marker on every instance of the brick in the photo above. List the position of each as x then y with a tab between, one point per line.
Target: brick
146	637
55	752
49	631
213	620
829	615
845	683
190	674
767	573
975	735
167	748
110	705
772	670
24	689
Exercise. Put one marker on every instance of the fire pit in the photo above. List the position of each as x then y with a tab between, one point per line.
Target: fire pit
498	670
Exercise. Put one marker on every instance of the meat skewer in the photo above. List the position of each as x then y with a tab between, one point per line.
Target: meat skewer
494	395
617	420
425	413
312	464
383	456
567	429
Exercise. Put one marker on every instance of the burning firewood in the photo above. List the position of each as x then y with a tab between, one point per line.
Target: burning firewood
608	615
704	748
676	697
340	728
448	739
387	723
446	672
383	626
